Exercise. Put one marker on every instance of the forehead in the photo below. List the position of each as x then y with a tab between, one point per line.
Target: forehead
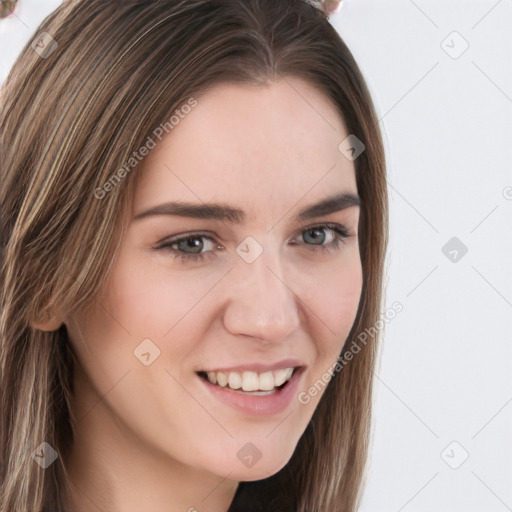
263	146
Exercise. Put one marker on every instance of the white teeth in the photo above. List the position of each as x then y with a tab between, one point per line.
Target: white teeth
222	379
235	380
267	381
251	381
282	375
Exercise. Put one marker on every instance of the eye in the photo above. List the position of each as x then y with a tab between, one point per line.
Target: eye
316	236
195	247
195	243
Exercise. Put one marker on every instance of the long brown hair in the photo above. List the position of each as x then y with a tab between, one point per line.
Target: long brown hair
87	90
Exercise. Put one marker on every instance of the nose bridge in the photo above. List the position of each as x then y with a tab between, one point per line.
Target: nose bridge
262	303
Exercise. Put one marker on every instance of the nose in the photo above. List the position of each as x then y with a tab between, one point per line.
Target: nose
261	300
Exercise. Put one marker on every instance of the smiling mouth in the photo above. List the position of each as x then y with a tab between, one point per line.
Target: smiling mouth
251	383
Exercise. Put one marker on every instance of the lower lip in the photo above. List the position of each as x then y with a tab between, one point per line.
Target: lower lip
257	405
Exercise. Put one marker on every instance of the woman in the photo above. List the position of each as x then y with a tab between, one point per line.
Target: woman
194	220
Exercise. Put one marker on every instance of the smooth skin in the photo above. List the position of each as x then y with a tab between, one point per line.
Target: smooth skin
153	437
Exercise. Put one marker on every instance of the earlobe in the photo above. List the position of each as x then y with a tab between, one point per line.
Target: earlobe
49	324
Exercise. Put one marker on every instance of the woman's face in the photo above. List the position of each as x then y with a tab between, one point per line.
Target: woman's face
267	283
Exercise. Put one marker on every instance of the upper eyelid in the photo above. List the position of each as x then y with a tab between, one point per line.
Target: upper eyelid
198	234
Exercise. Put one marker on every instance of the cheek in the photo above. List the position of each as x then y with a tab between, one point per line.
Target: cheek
149	298
335	298
333	303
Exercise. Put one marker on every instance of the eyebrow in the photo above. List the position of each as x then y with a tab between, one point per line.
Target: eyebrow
226	213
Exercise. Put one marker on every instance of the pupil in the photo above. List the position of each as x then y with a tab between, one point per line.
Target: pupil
191	243
315	238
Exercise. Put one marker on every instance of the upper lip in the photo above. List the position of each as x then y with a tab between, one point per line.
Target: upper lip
257	367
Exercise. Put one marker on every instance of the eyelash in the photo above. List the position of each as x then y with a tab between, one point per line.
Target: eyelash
340	235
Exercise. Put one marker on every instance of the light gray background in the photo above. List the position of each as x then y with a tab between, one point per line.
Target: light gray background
444	383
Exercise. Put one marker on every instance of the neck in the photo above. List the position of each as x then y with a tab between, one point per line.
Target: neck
110	468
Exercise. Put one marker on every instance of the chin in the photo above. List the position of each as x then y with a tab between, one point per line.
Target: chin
259	473
256	469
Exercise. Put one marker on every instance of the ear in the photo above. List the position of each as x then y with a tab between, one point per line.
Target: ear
48	323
